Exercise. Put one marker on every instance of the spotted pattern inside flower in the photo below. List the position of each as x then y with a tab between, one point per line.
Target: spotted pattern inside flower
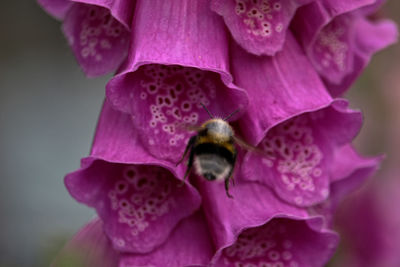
266	246
258	26
140	204
141	197
292	152
99	31
173	96
331	49
260	17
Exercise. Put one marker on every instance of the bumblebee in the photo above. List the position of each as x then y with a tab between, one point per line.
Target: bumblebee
212	150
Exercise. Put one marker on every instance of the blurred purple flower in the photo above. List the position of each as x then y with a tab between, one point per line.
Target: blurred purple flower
369	223
170	57
89	248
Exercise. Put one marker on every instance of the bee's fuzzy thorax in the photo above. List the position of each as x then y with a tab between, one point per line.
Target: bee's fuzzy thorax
218	130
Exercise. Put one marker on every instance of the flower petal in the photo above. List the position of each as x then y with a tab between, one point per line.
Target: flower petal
384	33
282	241
139	198
337	7
189	244
175	64
99	41
279	87
258	26
376	241
57	8
347	161
121	10
252	205
299	153
90	247
340	41
256	211
348	172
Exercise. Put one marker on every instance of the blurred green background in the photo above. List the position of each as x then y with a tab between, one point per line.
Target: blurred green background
48	113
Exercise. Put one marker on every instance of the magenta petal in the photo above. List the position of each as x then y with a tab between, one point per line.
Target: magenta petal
139	204
252	205
188	245
339	40
335	8
299	153
122	10
279	87
258	26
138	197
98	40
373	8
311	18
384	33
376	241
90	247
252	228
57	8
347	161
282	241
175	63
348	172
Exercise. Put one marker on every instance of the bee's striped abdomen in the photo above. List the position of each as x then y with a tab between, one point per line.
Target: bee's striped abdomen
212	148
213	161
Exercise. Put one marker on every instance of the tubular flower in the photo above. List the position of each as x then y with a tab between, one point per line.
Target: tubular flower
340	40
173	58
137	196
89	247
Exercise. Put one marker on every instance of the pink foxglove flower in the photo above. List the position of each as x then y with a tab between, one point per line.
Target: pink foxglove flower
136	195
339	39
142	203
294	126
92	248
173	56
97	31
260	27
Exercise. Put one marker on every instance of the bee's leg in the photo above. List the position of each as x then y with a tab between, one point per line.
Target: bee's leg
189	167
227	186
229	177
232	180
189	146
231	171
